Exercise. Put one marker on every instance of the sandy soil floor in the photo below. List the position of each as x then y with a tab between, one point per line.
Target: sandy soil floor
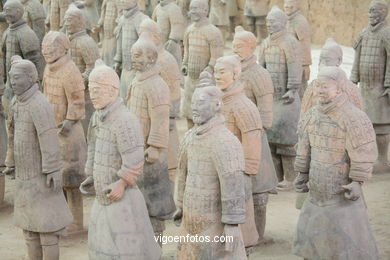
281	216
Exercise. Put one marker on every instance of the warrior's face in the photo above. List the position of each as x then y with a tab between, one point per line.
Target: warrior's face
242	49
20	80
101	95
327	90
274	25
376	14
198	10
223	74
203	107
290	6
13	12
329	58
140	59
73	23
126	4
52	51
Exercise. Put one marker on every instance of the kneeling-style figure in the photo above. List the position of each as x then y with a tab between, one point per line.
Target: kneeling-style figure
335	155
209	190
33	151
119	226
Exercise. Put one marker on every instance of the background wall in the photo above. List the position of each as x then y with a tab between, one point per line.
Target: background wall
340	19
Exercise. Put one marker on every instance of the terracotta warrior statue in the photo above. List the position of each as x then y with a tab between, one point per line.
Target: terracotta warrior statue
210	187
236	15
119	227
170	73
63	86
35	16
57	11
91	14
370	70
34	154
280	54
168	16
243	120
203	45
18	39
258	88
127	33
298	26
331	55
256	12
335	156
83	51
106	26
149	100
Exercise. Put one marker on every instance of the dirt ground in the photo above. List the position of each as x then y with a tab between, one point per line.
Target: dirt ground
281	216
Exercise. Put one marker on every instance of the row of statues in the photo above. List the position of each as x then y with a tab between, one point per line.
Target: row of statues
255	125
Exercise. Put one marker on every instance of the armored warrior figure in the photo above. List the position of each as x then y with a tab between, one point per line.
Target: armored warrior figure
34	15
256	12
335	155
171	21
203	45
280	54
18	39
243	120
331	55
119	227
64	88
107	22
210	189
298	26
83	51
371	70
236	14
219	16
170	73
127	34
33	152
149	101
258	88
90	11
57	11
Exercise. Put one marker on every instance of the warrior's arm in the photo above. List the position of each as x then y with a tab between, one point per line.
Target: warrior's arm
74	91
91	140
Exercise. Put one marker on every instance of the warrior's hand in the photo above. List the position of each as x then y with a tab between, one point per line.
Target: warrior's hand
171	45
177	217
55	178
301	183
352	190
306	73
289	96
184	70
8	170
117	67
386	93
118	188
152	154
66	126
232	235
88	182
96	29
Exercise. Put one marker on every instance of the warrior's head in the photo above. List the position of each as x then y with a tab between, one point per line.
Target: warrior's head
54	46
199	10
206	104
151	27
276	20
244	43
227	70
74	19
13	11
126	4
103	83
143	53
330	80
331	54
291	6
23	75
377	12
